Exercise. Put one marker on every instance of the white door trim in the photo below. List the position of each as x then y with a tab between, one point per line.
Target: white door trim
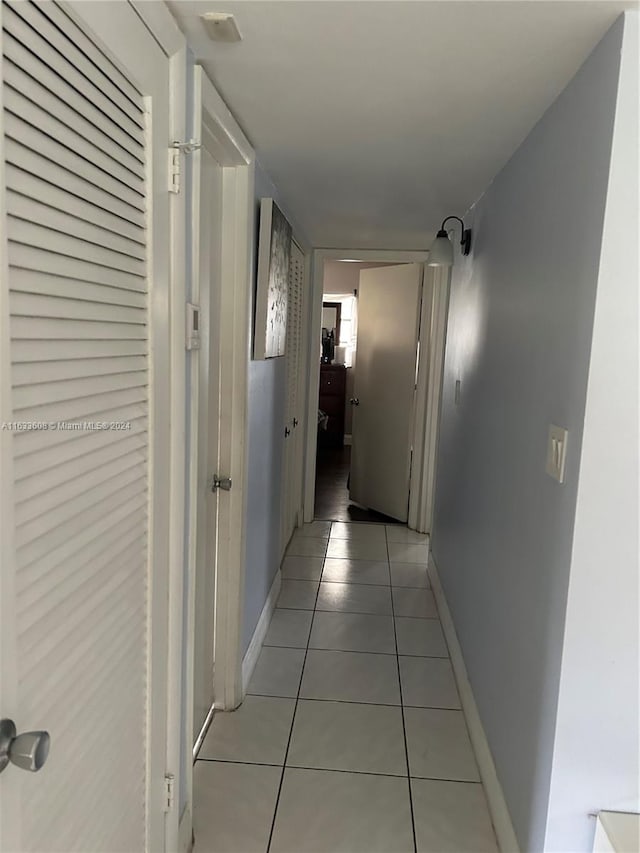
238	227
237	158
157	18
161	24
433	333
311	347
178	123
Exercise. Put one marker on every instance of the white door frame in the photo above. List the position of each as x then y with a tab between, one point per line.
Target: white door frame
237	159
177	460
422	479
161	24
433	326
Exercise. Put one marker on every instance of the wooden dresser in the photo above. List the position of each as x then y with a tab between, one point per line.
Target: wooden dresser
333	389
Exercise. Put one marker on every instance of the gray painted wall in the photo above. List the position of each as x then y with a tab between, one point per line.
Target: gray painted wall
266	414
597	750
519	338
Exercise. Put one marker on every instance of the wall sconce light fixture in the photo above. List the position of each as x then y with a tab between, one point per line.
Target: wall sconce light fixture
441	251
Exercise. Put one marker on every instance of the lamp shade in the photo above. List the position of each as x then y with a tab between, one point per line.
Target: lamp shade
441	251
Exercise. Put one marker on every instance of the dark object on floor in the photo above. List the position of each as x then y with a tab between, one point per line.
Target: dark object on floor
332	494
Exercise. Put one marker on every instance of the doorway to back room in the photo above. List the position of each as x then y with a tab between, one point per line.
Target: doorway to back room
363	354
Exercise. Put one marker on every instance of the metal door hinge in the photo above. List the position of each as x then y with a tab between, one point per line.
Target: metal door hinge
169	791
175	168
223	483
187	147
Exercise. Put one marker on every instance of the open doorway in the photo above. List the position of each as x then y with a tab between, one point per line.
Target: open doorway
366	389
339	325
370	454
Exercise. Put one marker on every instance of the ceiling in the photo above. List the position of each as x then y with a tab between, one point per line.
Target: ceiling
377	119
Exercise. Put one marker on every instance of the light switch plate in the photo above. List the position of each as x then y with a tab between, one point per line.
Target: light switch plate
556	452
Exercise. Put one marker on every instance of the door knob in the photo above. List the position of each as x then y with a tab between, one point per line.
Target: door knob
28	751
295	422
223	483
354	401
287	432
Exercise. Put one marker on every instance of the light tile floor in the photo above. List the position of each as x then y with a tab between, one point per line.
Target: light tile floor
351	738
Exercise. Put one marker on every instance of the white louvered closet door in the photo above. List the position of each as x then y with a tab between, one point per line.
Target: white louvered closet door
85	106
295	403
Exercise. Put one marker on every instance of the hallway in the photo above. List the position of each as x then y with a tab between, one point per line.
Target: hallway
351	738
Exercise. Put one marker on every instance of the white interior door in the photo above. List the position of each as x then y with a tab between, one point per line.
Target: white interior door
85	370
208	434
384	388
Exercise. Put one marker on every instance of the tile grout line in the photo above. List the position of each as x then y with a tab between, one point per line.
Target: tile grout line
356	701
295	709
338	770
359	583
404	726
354	651
362	612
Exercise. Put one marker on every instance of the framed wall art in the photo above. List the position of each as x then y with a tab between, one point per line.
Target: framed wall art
274	253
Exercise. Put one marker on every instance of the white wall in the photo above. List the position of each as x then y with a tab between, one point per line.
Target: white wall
341	277
596	763
519	339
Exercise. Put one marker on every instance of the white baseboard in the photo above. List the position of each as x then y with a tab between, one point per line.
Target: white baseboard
251	657
347	440
500	816
185	832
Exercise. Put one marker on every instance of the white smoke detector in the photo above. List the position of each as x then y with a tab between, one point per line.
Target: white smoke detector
221	26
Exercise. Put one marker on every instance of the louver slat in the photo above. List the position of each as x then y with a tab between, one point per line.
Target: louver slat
58	63
62	103
16	54
29	113
58	31
72	225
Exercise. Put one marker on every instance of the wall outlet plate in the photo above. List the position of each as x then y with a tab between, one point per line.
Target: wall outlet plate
556	452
